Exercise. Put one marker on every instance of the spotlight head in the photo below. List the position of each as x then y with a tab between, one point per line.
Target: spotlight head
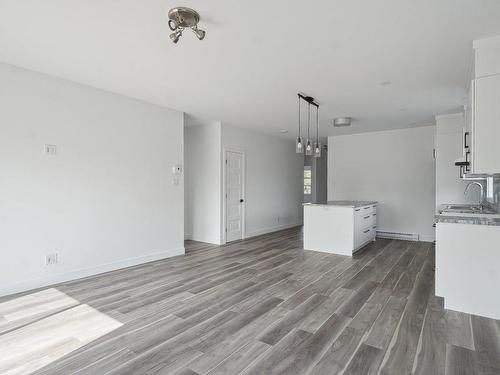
175	36
199	33
172	24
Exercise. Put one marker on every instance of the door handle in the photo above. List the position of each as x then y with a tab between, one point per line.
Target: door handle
242	200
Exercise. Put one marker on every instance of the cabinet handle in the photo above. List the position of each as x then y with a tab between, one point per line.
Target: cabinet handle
466	134
375	227
357	209
367	208
366	231
366	217
374	214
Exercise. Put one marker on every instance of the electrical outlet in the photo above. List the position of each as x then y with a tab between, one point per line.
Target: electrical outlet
51	259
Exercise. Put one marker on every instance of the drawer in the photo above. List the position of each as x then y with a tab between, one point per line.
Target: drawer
367	209
371	209
364	236
364	220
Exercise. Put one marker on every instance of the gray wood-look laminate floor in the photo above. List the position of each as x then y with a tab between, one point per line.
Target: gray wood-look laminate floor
260	306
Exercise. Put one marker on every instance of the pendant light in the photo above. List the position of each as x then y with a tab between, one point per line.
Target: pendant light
317	145
299	146
309	146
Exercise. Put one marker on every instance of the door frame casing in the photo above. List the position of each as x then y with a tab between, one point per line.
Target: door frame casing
243	193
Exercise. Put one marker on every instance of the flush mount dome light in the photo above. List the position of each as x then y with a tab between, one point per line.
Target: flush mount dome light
181	18
342	121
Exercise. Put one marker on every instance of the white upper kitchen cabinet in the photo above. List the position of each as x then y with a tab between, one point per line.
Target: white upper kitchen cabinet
449	139
487	57
486	125
485	116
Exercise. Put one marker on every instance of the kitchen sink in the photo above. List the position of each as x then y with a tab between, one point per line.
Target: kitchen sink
467	210
464	207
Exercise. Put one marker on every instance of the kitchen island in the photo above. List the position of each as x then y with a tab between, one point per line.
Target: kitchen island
339	227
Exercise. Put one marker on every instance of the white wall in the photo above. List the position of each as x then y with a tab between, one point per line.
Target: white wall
449	140
203	173
106	201
274	172
395	168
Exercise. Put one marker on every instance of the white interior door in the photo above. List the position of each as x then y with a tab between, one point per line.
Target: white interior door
234	196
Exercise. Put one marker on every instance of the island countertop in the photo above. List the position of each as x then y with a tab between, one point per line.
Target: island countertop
352	204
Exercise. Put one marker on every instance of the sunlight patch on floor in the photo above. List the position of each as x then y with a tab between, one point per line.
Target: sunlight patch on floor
41	327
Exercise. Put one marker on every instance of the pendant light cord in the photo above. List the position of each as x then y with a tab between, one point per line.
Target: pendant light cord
317	125
299	116
308	120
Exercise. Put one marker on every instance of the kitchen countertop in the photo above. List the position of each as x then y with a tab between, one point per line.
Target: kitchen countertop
465	216
475	220
352	204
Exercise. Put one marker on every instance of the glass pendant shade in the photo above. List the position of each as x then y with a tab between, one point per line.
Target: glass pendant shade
299	146
317	150
309	148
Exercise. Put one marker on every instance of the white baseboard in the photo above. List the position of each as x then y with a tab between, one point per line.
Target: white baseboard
188	236
213	241
62	277
423	238
262	231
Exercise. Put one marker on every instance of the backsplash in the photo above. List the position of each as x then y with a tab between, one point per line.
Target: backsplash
496	205
492	193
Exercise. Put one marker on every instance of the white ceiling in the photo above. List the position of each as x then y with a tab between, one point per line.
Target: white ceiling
258	54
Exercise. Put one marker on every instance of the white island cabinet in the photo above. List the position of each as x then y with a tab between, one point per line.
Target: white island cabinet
339	227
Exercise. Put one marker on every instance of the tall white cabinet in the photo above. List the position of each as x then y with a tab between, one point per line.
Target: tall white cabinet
486	125
482	129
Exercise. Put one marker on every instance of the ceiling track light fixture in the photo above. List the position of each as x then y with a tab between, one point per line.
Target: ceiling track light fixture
310	148
181	18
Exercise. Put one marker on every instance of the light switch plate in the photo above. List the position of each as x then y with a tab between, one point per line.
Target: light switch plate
177	169
51	259
50	149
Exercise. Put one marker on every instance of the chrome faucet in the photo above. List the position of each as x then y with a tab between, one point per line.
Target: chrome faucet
481	199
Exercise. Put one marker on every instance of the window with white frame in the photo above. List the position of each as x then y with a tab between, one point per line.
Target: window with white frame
307	180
